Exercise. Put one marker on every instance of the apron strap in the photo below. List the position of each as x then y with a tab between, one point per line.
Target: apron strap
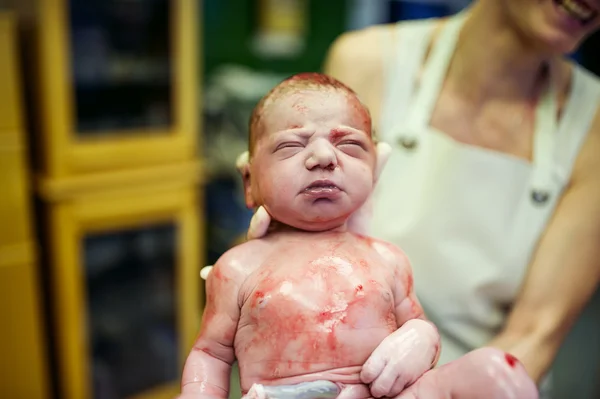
543	142
434	74
405	49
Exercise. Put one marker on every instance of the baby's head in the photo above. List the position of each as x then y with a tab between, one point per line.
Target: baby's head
312	155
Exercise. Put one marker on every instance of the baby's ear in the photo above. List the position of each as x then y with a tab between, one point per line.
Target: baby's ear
247	179
242	163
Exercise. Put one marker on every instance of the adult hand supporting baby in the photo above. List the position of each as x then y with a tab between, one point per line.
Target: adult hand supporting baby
358	221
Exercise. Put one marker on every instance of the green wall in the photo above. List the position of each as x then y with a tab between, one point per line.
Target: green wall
229	25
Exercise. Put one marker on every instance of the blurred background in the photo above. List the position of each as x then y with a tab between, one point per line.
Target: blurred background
120	122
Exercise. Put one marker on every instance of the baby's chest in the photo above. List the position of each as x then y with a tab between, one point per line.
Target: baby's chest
319	291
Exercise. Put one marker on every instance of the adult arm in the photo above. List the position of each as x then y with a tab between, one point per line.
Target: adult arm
564	272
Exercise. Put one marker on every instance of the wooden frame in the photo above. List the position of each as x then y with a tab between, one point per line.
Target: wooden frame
24	368
69	222
11	113
65	154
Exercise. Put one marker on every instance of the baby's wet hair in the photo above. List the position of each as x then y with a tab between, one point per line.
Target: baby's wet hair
300	81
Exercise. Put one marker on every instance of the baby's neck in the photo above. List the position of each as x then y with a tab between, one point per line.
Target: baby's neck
277	227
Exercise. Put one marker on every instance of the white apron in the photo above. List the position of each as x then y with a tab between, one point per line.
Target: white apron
468	218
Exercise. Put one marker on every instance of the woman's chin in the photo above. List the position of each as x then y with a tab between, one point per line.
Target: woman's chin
559	42
562	45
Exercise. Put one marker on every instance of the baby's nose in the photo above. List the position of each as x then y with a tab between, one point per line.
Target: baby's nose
322	155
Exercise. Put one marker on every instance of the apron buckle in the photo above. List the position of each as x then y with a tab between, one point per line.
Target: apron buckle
540	197
409	143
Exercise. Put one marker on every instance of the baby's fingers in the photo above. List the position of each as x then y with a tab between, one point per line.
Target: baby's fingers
389	383
205	271
241	163
259	224
384	150
373	367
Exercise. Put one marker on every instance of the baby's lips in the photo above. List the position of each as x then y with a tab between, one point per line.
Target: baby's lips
322	183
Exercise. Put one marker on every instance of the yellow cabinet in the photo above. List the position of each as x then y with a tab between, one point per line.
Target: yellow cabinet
24	360
126	291
114	111
10	96
115	83
15	225
23	367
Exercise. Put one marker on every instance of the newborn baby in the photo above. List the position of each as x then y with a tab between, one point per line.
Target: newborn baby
312	310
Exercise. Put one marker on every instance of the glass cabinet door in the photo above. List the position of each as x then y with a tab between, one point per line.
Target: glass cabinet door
121	64
125	294
132	310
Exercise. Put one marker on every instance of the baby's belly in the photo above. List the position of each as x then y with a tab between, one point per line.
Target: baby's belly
307	316
287	339
299	357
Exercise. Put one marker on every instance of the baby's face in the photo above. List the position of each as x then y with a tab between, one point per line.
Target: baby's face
314	161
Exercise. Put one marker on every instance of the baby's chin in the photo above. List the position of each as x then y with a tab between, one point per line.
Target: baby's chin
300	214
311	224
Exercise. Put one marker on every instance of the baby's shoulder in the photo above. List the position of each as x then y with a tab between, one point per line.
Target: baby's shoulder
389	252
241	260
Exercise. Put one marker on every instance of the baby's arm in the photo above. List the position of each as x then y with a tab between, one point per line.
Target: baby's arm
207	369
409	312
410	351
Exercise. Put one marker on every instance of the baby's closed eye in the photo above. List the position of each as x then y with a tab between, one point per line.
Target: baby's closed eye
353	148
289	144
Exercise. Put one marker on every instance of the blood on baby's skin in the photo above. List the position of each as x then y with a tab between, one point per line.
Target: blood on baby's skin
335	134
284	330
415	308
511	360
409	282
218	274
300	106
324	81
306	311
258	298
368	240
312	334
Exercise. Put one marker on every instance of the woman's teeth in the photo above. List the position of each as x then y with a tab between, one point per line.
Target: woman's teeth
577	9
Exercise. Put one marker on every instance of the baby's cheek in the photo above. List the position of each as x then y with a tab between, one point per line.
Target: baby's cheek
367	155
360	182
368	175
279	186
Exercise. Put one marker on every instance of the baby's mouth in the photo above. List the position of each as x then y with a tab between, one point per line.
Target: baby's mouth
322	187
577	9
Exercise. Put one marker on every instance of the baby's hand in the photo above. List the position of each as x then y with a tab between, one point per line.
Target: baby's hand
401	358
